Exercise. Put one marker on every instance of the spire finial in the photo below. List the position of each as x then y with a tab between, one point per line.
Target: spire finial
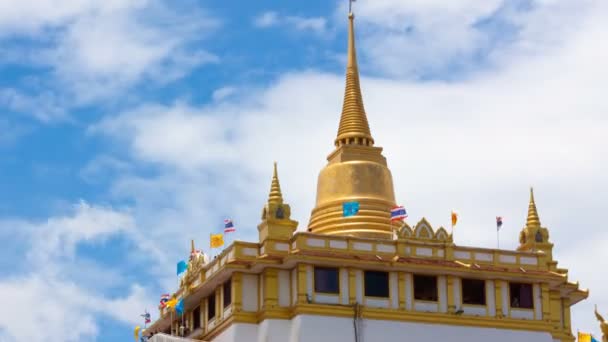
533	220
192	246
275	188
354	128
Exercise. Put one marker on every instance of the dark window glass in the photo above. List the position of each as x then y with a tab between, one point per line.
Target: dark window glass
425	288
227	293
376	284
521	295
474	291
196	318
211	307
327	280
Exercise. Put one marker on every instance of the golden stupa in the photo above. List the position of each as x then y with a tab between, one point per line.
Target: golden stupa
356	170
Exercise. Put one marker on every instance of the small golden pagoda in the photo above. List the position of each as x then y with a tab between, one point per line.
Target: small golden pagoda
350	279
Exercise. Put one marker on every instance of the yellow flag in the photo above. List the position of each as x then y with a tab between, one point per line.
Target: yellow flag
454	217
137	333
584	337
171	303
217	240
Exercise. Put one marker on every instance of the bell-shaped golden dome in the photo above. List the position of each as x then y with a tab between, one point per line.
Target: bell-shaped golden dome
356	172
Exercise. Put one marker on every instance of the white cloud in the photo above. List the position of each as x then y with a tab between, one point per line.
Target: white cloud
430	38
97	49
222	93
475	145
44	106
49	291
266	19
270	19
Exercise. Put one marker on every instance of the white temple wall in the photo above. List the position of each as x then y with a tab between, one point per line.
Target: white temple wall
311	328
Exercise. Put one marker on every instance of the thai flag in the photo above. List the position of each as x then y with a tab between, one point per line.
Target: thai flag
229	226
398	213
164	299
146	317
498	222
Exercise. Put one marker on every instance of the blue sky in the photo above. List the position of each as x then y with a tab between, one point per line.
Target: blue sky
128	128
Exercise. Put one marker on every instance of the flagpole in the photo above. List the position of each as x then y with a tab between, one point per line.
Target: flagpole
498	226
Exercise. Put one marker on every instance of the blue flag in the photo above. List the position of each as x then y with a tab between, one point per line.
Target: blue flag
181	267
179	308
350	208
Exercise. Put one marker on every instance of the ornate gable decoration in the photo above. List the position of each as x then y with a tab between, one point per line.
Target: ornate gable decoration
405	231
423	231
441	234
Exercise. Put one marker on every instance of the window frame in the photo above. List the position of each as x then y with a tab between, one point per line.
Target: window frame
196	325
326	268
210	299
419	276
227	284
376	294
485	293
519	307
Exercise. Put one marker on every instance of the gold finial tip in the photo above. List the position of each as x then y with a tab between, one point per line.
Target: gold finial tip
351	15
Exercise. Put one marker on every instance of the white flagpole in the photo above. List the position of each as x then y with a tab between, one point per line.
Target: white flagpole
498	226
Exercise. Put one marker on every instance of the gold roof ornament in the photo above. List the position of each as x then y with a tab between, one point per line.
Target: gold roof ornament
276	215
533	237
275	195
356	170
533	220
354	127
603	325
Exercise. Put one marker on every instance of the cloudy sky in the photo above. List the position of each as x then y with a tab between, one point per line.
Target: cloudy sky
129	127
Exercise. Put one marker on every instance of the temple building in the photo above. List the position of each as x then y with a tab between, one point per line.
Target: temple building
362	278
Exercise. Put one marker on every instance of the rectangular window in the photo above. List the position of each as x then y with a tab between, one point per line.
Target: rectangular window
327	280
376	284
211	307
425	288
196	318
521	295
227	291
474	291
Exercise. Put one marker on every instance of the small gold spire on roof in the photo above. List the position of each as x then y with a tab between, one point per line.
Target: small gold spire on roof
353	121
192	249
275	188
533	220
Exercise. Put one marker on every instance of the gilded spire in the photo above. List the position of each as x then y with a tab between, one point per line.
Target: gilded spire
192	249
275	188
354	128
533	220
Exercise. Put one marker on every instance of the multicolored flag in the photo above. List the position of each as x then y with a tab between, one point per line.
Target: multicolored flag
455	217
146	317
585	337
179	308
164	298
136	333
350	208
498	222
229	226
182	266
216	240
171	303
398	213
